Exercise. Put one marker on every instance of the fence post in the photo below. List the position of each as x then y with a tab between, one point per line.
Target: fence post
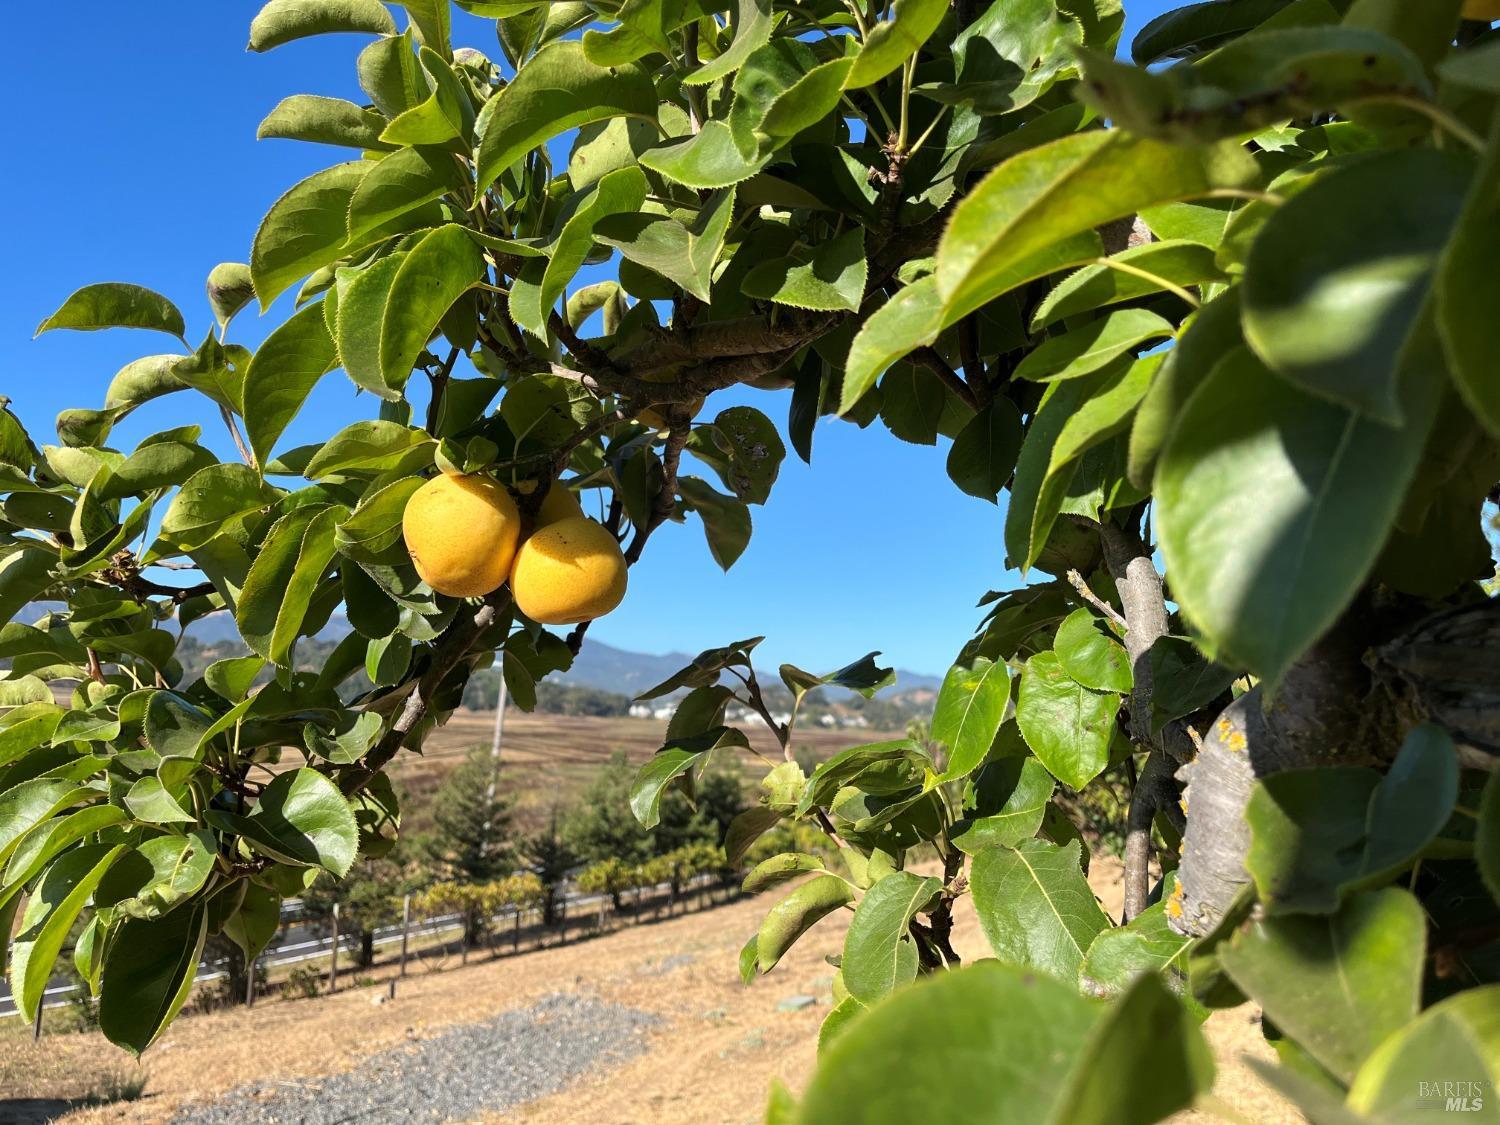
250	981
405	926
333	952
515	934
36	1027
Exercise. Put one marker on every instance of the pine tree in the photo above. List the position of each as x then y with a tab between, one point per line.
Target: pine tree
469	842
550	857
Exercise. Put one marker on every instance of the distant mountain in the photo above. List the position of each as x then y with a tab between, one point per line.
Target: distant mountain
599	665
613	669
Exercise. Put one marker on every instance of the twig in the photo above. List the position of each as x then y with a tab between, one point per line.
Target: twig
1078	583
1151	791
930	359
96	670
234	432
439	381
666	499
451	647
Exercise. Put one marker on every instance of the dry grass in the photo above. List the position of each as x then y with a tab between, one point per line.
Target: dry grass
710	1062
550	759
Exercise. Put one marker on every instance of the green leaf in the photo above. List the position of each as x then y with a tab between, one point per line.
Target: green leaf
1006	804
794	915
283	373
305	230
1272	505
726	521
1317	834
1474	67
1100	342
210	499
1337	277
300	818
24	575
375	526
329	121
969	708
229	290
158	875
432	20
779	869
1178	263
1090	654
683	255
1067	726
279	589
708	159
535	291
50	838
806	102
1147	945
149	801
392	190
438	270
745	829
831	276
1337	984
364	447
1011	55
256	922
51	910
557	89
344	746
652	781
360	312
864	676
1467	290
767	73
114	304
1148	1044
891	42
984	453
149	966
1035	906
1061	189
909	320
24	806
1457	1037
921	1054
1186	30
1487	835
752	30
282	21
1207	337
232	678
1182	681
879	953
755	452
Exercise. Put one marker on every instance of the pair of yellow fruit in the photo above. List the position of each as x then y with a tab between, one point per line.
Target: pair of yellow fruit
464	535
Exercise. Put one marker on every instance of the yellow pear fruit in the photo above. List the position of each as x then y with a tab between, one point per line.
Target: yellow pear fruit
569	572
462	533
1486	11
561	502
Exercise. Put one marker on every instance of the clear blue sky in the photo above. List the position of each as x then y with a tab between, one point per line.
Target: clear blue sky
136	160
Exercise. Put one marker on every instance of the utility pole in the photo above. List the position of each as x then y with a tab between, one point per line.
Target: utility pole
489	796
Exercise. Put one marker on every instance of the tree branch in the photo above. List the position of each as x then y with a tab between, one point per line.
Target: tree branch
1078	583
450	647
929	358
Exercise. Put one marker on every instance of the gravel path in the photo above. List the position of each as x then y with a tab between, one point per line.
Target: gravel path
514	1058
